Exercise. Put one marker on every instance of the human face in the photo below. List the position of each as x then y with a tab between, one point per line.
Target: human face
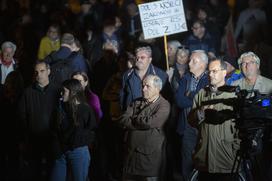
216	74
8	54
198	30
81	80
53	33
182	58
42	74
143	60
196	64
171	50
249	67
65	94
150	92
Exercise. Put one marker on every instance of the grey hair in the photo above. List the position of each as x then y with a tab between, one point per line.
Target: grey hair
147	49
68	38
8	44
249	54
174	43
157	82
203	55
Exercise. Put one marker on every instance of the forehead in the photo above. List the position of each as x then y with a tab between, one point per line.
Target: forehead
248	58
142	52
214	65
148	81
40	66
78	77
195	56
7	49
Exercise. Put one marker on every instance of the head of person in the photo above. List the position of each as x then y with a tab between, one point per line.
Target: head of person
182	55
143	57
152	85
53	32
198	29
83	78
42	72
198	62
109	26
132	9
231	62
85	6
172	47
13	85
68	40
202	13
249	63
77	47
72	92
8	50
217	72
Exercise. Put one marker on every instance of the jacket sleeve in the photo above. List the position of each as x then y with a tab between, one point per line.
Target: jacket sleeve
148	118
89	129
122	93
183	100
152	117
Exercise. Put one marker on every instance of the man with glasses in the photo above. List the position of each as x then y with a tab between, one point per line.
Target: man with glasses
132	79
218	142
189	86
200	39
249	63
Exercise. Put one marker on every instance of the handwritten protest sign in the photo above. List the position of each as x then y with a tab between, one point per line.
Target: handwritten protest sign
161	18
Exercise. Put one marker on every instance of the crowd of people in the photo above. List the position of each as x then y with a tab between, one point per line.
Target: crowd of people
84	96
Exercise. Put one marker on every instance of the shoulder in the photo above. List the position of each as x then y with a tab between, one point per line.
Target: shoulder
128	73
237	82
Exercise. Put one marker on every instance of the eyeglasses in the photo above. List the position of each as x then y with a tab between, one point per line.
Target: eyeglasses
141	57
214	71
248	63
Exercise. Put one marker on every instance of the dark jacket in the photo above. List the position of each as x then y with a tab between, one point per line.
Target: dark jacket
65	135
184	100
36	107
145	136
132	84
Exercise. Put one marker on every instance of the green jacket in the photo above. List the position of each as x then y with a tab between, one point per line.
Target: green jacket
218	143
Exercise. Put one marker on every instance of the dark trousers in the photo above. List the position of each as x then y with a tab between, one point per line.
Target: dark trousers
205	176
139	178
188	143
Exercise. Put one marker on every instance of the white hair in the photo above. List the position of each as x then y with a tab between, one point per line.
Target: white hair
8	44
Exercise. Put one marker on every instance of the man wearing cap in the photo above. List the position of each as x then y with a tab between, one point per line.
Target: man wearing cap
233	73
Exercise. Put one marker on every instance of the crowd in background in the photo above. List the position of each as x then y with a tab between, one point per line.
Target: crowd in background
104	44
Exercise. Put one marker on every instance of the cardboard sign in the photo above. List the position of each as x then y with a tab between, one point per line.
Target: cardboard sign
161	18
